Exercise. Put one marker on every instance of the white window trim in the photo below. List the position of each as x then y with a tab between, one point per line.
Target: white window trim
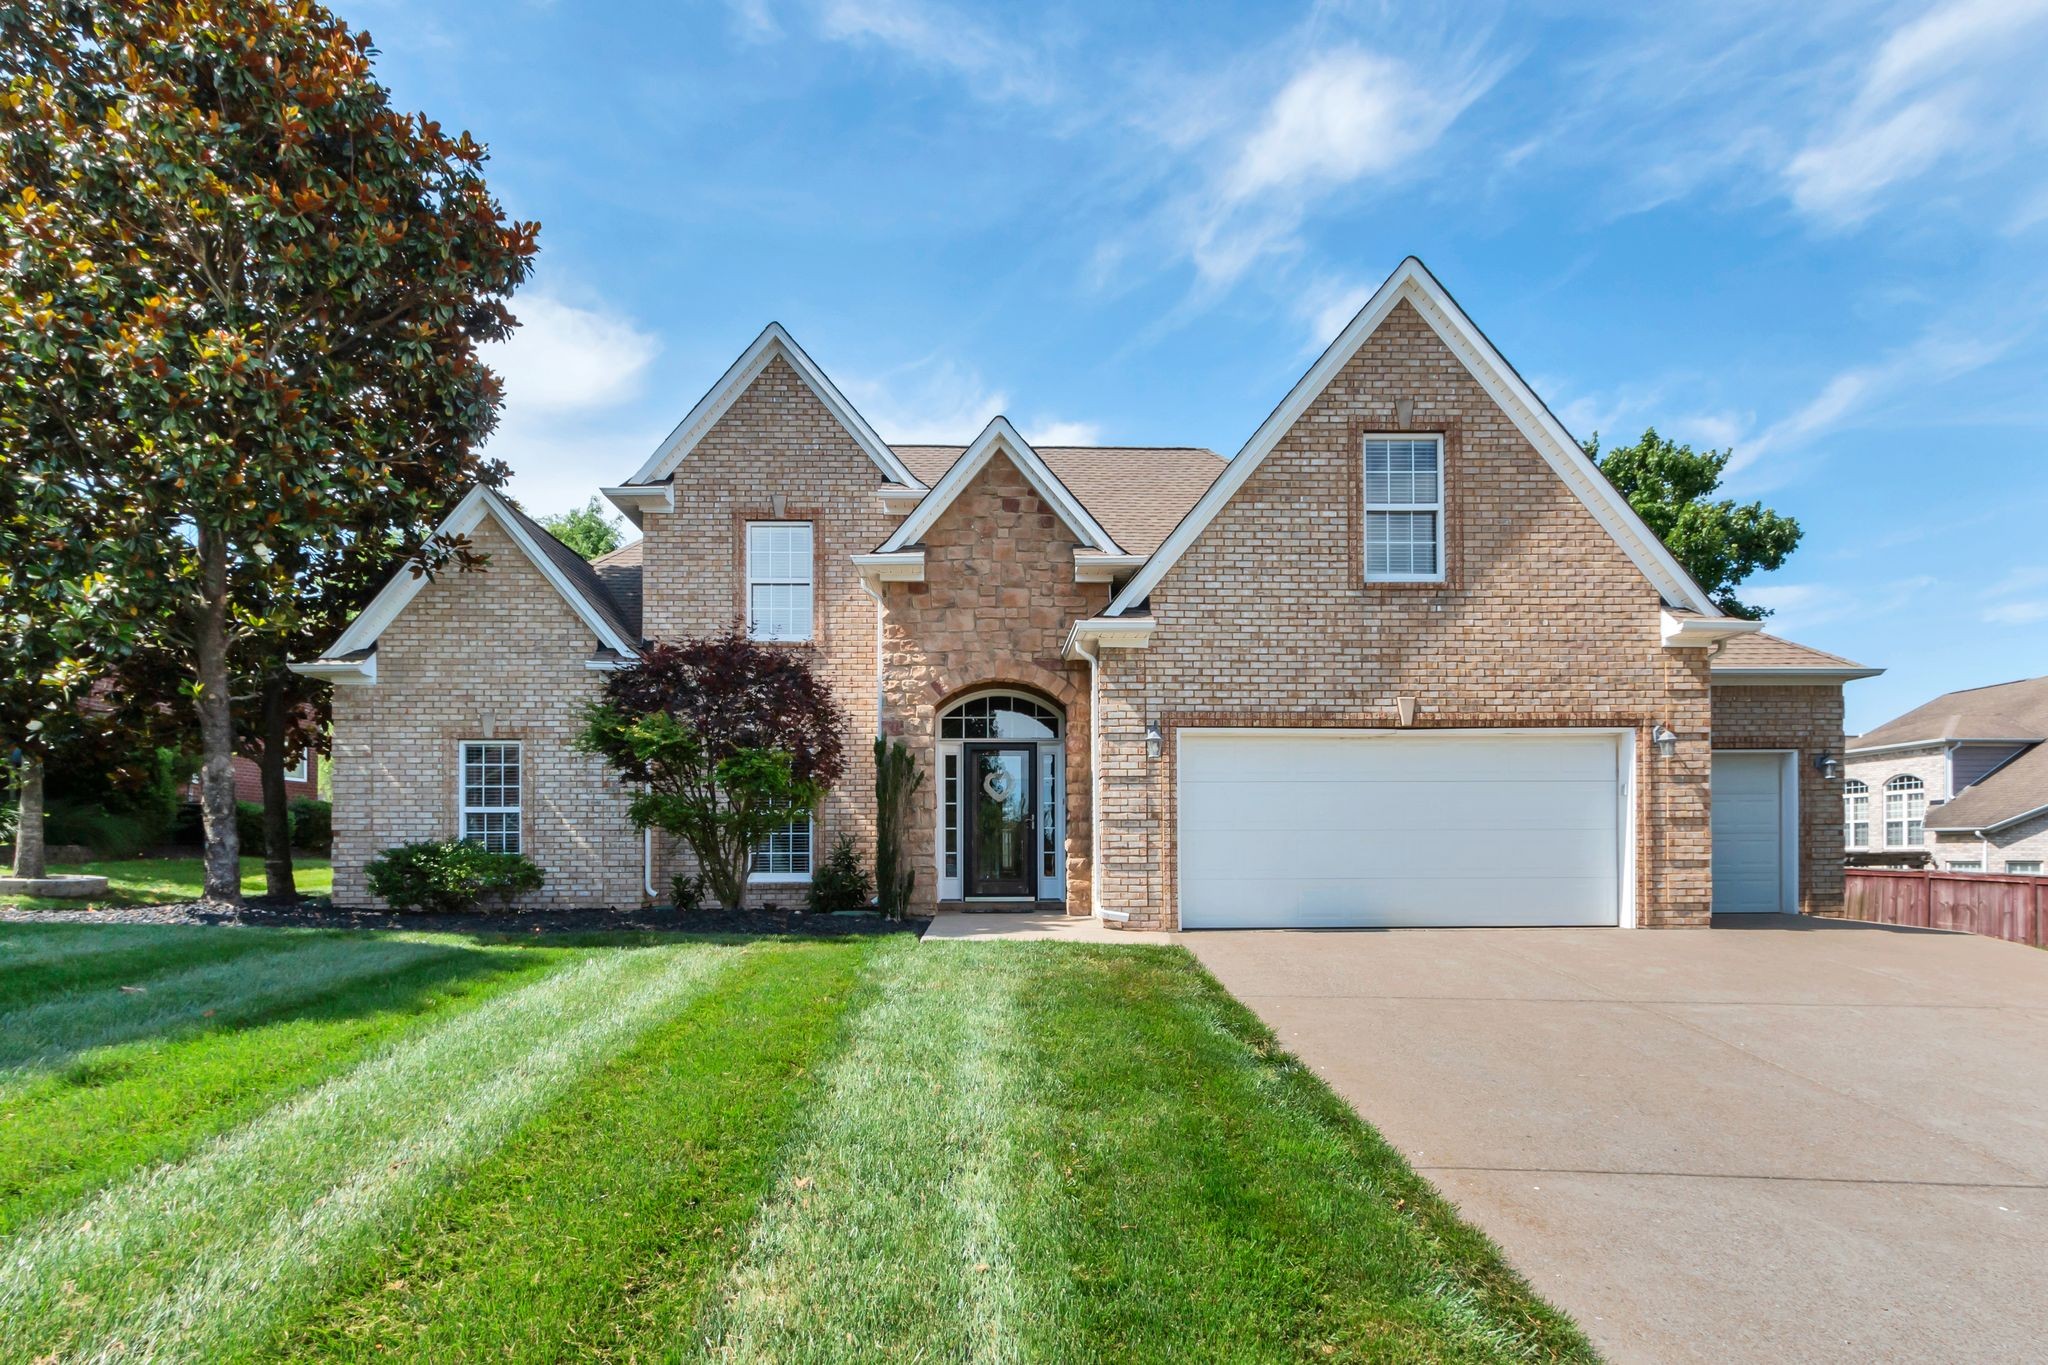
787	878
463	810
1906	820
1443	548
2023	867
1858	791
302	771
809	582
1967	865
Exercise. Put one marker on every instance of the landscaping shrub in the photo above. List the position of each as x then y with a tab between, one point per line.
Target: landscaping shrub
312	826
686	890
249	826
450	877
840	882
118	807
108	833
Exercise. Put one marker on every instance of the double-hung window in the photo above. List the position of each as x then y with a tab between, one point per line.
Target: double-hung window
1905	812
1856	813
1404	509
779	580
490	794
785	855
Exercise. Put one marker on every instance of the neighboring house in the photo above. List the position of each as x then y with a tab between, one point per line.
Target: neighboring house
1407	658
301	782
1963	779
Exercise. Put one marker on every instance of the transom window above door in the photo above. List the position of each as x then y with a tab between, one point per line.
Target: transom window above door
1404	509
779	580
1000	716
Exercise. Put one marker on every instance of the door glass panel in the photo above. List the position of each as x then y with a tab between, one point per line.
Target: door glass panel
1000	790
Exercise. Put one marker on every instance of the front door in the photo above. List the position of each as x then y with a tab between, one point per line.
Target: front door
1002	798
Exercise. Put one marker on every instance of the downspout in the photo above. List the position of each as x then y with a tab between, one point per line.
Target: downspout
647	862
1095	868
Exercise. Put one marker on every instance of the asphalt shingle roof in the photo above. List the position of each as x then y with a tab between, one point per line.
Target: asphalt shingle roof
1138	493
2014	710
1763	650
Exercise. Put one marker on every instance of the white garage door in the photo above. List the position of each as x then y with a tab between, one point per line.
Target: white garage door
1752	834
1321	828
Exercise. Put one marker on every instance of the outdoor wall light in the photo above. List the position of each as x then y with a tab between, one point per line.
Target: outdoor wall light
1665	741
1827	765
1154	737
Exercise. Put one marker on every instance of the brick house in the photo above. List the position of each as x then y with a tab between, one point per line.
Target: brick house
1961	781
1407	658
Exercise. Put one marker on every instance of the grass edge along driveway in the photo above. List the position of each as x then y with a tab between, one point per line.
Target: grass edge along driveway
784	1151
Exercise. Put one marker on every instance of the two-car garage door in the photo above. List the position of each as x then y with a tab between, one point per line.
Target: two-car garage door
1321	828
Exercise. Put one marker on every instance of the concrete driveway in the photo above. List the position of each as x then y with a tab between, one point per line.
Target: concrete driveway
1791	1140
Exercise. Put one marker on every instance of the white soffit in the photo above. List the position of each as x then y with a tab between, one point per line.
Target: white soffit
999	435
772	342
1412	281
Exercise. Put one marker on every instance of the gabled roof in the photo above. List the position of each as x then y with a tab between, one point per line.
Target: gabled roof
2013	710
1000	438
579	584
620	573
772	342
2012	793
1413	282
1138	493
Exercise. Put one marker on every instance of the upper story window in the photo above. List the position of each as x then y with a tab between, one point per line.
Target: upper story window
779	580
1905	812
1404	509
490	794
1856	813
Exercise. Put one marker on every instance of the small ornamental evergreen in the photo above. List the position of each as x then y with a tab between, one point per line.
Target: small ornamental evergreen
840	882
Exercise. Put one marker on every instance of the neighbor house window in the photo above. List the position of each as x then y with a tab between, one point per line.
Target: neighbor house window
786	853
302	771
1905	812
1971	865
2029	867
490	794
779	580
1856	813
1404	509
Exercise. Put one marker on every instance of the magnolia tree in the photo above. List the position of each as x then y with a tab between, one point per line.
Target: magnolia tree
727	740
241	299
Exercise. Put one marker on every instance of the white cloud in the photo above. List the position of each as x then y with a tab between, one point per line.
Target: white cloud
2020	580
1328	306
944	39
564	358
1063	433
2017	613
1798	607
940	402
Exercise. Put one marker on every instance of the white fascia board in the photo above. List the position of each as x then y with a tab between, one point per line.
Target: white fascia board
635	499
341	672
468	514
1129	632
1692	632
1411	280
999	435
898	499
1943	744
894	566
1788	677
772	342
1091	567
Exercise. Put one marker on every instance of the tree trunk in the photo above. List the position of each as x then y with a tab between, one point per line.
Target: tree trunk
28	831
277	819
216	726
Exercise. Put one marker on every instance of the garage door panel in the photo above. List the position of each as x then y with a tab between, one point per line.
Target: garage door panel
1750	814
1301	828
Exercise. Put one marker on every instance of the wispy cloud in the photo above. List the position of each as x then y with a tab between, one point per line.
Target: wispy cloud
940	402
2017	613
1797	607
959	41
1327	307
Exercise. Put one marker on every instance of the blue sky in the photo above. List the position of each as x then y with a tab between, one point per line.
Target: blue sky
1813	232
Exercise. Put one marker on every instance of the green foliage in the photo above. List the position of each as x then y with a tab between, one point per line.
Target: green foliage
1720	543
450	877
896	782
841	882
312	825
686	890
108	833
588	530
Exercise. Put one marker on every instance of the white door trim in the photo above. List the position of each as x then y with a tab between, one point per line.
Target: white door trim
1788	825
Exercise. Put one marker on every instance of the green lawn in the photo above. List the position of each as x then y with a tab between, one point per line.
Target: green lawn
162	881
234	1144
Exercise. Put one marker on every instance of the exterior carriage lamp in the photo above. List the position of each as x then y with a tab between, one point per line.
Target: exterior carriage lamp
1154	737
1665	740
1827	765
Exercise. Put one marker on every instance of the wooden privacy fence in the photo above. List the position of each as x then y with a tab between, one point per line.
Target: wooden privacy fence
2007	907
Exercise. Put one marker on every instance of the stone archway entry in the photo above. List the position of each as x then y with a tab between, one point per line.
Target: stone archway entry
1001	799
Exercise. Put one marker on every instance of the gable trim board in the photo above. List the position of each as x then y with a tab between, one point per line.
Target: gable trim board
999	437
772	342
1412	281
396	595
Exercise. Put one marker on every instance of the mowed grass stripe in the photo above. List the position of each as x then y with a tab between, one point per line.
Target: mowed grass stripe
198	1260
599	1228
901	1224
41	960
1223	1204
65	1133
212	995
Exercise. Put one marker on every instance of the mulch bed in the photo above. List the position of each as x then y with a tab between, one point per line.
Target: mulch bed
319	914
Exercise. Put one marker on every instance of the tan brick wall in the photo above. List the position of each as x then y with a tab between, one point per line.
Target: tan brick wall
1808	719
993	611
490	655
2025	841
1543	621
1929	763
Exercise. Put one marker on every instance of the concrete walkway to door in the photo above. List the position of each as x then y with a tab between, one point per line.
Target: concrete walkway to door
1787	1141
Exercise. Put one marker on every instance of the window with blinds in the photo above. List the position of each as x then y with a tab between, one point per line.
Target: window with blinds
785	855
490	794
779	580
1404	509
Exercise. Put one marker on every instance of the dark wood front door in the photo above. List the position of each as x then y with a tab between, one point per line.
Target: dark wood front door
1001	796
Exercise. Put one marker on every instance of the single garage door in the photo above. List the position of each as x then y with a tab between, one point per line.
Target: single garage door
1322	828
1753	833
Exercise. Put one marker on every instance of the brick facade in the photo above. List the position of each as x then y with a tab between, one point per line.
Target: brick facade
1808	720
1928	762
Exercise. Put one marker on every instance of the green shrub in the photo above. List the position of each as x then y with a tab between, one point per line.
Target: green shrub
249	826
450	877
108	833
312	826
840	882
686	890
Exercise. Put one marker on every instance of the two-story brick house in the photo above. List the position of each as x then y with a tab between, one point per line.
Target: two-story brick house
1406	658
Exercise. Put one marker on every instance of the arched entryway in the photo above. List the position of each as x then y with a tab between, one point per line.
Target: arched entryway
1002	798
